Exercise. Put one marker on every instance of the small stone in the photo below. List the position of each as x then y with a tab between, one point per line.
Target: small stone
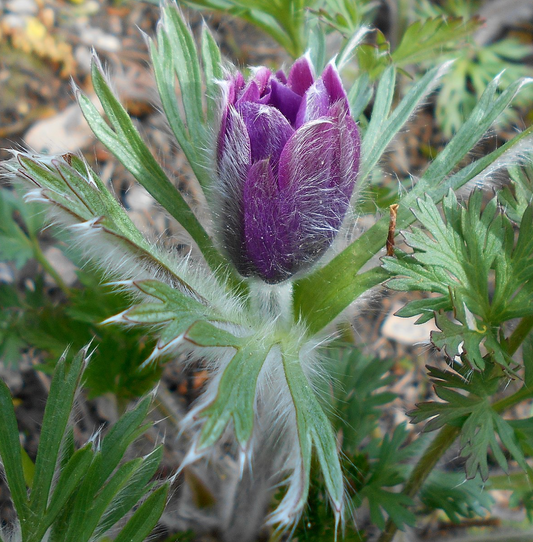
7	276
65	132
22	7
64	267
97	38
138	199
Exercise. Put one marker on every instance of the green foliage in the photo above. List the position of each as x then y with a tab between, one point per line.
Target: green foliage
324	294
387	471
94	489
283	20
459	498
422	40
19	226
357	400
459	257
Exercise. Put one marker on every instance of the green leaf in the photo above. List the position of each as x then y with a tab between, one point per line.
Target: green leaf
323	295
70	476
455	258
384	126
124	141
187	67
10	453
15	243
479	421
314	431
457	497
173	314
424	39
356	400
56	416
387	472
72	188
140	525
237	387
517	197
131	493
212	62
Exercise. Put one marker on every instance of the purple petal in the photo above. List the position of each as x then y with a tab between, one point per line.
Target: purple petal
251	93
235	86
315	104
233	162
267	129
284	99
262	77
267	238
333	84
301	76
317	173
281	77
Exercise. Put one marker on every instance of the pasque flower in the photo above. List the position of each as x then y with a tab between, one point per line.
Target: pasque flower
287	163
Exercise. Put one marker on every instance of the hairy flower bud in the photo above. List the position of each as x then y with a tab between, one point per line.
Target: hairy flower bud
287	162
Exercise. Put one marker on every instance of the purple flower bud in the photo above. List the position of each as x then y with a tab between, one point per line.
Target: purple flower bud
287	162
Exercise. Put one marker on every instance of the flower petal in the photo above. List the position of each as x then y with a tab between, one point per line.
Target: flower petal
267	129
266	233
333	84
317	173
301	76
284	99
234	159
315	104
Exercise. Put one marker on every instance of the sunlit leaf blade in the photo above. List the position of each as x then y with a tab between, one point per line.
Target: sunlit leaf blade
380	113
212	62
187	67
383	127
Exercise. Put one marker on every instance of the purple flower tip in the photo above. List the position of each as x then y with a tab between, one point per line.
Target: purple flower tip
287	163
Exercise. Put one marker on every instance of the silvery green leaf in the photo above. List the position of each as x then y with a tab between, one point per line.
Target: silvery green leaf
384	127
314	431
79	199
124	141
236	390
